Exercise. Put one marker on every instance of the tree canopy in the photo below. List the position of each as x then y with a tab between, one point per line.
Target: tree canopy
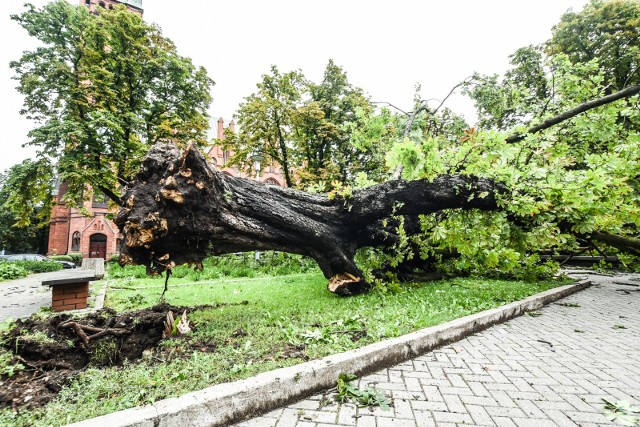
607	32
32	179
102	90
323	132
553	166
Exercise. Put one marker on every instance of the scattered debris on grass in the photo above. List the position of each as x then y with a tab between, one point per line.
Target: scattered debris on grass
44	354
173	326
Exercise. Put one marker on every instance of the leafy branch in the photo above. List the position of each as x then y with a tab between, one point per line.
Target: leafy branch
347	392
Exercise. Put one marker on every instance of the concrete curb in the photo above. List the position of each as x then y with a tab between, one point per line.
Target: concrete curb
226	403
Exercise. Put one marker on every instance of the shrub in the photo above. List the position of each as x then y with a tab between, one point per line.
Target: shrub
39	266
76	258
11	271
136	271
231	265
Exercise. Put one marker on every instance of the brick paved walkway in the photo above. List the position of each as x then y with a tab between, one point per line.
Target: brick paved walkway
23	297
548	370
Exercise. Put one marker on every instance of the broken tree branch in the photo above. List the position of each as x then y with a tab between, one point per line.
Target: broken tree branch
586	106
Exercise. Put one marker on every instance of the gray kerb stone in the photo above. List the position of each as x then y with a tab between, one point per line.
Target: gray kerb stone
226	403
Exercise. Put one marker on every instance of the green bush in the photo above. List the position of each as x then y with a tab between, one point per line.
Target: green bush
39	266
232	265
11	271
76	258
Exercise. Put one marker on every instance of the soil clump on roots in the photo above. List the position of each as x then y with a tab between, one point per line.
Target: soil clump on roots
54	350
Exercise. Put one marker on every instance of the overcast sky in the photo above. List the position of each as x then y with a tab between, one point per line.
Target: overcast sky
385	47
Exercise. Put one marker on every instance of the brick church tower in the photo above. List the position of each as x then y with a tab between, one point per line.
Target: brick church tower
94	6
70	230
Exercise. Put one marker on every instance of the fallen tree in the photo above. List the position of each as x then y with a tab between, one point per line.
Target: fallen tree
180	209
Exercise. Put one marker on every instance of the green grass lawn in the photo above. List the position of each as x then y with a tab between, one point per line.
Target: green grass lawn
259	324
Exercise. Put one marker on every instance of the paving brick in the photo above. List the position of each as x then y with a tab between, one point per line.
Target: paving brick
366	421
428	406
534	422
559	418
424	419
347	414
480	415
504	422
395	422
451	417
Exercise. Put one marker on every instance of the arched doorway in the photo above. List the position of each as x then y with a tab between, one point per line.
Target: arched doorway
98	246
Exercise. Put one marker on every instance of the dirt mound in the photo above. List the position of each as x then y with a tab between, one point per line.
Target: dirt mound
54	350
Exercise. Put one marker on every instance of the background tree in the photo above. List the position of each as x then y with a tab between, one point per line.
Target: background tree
599	45
25	228
265	121
102	90
324	125
308	128
606	31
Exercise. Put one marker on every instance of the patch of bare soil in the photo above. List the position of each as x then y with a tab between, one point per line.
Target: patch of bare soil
54	350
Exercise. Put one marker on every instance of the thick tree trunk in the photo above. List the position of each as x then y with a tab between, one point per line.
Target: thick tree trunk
180	209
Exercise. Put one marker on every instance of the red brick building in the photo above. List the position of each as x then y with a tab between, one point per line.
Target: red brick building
134	6
269	173
96	236
70	230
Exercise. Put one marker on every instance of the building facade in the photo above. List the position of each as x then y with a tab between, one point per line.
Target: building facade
269	173
89	231
72	231
94	6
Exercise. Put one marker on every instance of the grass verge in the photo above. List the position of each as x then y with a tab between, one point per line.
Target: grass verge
259	324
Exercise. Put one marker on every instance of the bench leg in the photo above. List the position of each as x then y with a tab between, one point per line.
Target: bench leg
70	296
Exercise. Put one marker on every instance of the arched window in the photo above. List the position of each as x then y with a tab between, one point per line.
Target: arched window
87	2
110	7
100	200
272	181
101	4
75	242
214	161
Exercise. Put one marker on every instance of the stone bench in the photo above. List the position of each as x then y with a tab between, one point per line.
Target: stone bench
70	288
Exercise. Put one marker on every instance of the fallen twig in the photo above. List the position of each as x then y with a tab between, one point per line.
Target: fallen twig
548	343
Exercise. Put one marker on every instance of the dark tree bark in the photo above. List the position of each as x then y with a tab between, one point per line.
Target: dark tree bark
180	209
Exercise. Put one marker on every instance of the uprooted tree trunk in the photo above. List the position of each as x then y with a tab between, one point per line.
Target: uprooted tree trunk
180	209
